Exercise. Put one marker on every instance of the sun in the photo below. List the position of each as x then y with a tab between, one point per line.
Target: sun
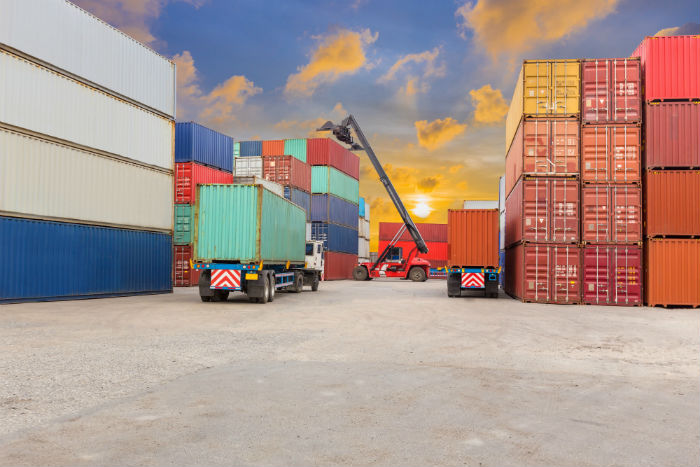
422	209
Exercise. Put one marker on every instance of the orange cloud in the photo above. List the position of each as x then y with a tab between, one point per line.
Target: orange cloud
428	184
490	105
511	27
415	84
308	127
455	168
338	54
667	32
439	132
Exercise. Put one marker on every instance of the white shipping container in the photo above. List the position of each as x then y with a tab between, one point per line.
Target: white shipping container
367	211
248	167
42	101
49	180
363	228
363	248
481	204
71	39
502	193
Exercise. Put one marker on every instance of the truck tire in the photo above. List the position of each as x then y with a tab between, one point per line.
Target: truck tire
360	273
417	274
454	285
298	282
265	291
314	284
219	296
272	289
205	299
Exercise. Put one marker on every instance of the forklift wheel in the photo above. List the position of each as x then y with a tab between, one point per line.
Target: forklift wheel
360	273
417	274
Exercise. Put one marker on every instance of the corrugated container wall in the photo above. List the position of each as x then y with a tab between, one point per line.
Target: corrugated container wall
673	135
300	198
287	170
273	147
361	207
611	90
338	266
53	260
429	232
670	66
188	175
197	143
672	203
248	167
329	208
472	237
42	179
335	237
40	100
184	224
185	276
325	151
612	275
248	223
250	148
71	39
296	148
672	272
611	213
329	180
611	153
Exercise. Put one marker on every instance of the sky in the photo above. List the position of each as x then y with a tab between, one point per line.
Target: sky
429	82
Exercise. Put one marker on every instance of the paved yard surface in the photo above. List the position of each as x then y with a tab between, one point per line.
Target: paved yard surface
379	373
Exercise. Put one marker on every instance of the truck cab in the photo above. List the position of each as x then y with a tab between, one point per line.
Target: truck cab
315	259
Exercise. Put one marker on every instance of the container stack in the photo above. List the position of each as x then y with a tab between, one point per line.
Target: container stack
671	74
611	193
202	156
435	236
363	232
502	230
86	171
542	183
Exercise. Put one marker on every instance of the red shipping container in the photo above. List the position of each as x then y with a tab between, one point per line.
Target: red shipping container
670	67
184	275
611	153
273	147
287	170
429	232
611	90
612	275
672	203
472	237
543	210
611	213
672	135
338	266
189	174
437	251
543	146
544	273
325	151
672	268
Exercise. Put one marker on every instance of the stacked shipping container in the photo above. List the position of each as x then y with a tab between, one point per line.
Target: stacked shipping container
363	232
102	121
435	236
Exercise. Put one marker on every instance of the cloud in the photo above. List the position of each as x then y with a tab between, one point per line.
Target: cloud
439	132
308	127
428	184
340	53
455	168
685	30
511	27
490	106
416	84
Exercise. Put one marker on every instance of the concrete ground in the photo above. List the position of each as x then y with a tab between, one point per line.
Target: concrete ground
378	373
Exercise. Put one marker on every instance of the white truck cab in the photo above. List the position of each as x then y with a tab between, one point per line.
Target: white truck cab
314	256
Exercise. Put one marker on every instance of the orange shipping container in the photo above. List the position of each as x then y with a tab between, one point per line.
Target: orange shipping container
672	202
611	213
672	272
611	153
273	147
472	237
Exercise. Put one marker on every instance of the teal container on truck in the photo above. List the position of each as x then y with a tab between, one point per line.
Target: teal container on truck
329	180
184	224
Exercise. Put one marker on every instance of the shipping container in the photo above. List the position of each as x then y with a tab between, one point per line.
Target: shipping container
611	213
437	251
296	148
335	237
188	175
362	207
39	178
670	67
68	38
672	199
429	232
287	170
543	210
363	227
329	208
672	268
544	88
250	148
273	147
672	135
248	167
472	238
612	275
325	151
611	153
480	204
247	224
236	149
338	266
611	90
367	209
45	260
197	143
40	100
502	265
276	188
545	147
544	273
185	276
330	180
502	193
362	248
184	224
300	198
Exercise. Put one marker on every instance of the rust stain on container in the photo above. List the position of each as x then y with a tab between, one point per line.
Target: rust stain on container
472	237
672	272
611	213
672	202
612	275
611	90
672	135
611	153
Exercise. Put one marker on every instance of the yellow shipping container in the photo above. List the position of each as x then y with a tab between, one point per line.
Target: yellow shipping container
545	88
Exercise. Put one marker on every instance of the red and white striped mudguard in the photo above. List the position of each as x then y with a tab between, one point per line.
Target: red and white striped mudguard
225	279
473	280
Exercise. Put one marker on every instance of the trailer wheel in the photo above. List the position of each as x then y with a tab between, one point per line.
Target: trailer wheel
360	273
417	274
266	290
205	299
273	289
220	296
298	282
314	284
253	299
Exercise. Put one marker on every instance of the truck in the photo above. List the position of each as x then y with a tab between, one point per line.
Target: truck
472	251
249	239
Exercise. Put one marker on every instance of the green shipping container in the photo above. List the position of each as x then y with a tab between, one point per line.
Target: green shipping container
296	148
184	224
329	180
247	224
236	149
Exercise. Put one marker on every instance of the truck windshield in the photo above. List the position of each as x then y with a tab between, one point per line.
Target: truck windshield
309	249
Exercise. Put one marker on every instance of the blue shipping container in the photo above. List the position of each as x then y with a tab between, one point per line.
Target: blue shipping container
335	237
197	143
45	260
361	208
300	198
502	265
329	208
251	148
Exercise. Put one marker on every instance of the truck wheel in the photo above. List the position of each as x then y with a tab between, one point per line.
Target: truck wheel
298	282
266	290
220	296
360	273
205	299
454	285
417	274
273	289
314	284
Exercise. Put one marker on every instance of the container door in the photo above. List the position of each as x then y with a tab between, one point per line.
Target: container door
626	212
565	146
536	266
625	153
537	91
595	90
565	87
594	156
596	214
596	274
535	210
565	201
536	156
626	91
626	275
566	281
